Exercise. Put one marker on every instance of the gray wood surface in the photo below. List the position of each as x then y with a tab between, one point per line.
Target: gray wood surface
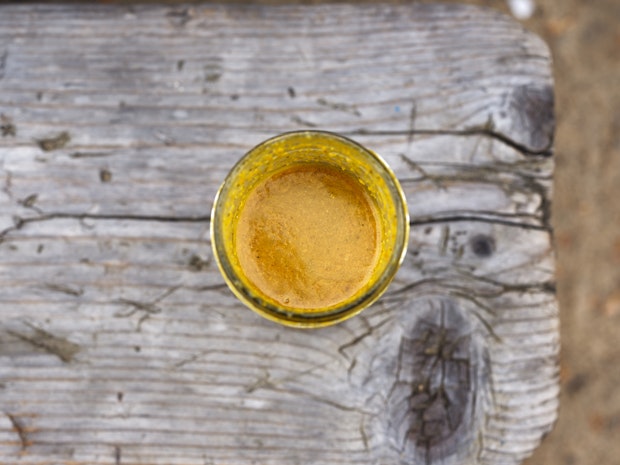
119	342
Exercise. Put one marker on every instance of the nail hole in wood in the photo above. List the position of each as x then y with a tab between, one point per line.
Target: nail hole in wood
482	245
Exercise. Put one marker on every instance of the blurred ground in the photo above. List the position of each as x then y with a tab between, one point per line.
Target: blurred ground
584	37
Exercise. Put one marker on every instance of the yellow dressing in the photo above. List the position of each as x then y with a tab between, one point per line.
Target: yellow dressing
308	236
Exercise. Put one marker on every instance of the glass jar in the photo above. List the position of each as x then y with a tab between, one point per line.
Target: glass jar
309	228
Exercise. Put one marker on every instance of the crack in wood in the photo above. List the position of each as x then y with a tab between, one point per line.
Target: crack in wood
149	308
510	177
497	288
522	182
481	299
476	131
425	176
331	403
266	382
419	221
356	340
20	222
438	219
190	359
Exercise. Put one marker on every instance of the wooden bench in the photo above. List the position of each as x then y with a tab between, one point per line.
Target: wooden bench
120	343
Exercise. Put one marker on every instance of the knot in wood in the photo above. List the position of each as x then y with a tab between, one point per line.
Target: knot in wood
433	399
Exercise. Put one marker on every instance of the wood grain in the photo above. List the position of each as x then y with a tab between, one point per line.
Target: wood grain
120	343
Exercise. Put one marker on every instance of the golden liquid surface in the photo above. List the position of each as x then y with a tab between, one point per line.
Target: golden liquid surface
308	237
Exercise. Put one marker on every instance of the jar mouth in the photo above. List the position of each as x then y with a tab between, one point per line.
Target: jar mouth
307	148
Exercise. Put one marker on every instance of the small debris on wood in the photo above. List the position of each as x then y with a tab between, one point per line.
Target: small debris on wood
19	429
54	143
443	241
60	347
64	289
165	138
212	71
29	201
89	154
213	77
339	106
413	114
3	58
302	122
7	128
198	263
180	18
291	92
105	175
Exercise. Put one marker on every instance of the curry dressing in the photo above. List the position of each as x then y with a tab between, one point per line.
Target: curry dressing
308	236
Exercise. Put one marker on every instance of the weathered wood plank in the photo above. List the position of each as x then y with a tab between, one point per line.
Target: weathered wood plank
119	342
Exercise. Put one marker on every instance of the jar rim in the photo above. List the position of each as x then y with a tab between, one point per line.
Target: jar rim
333	314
